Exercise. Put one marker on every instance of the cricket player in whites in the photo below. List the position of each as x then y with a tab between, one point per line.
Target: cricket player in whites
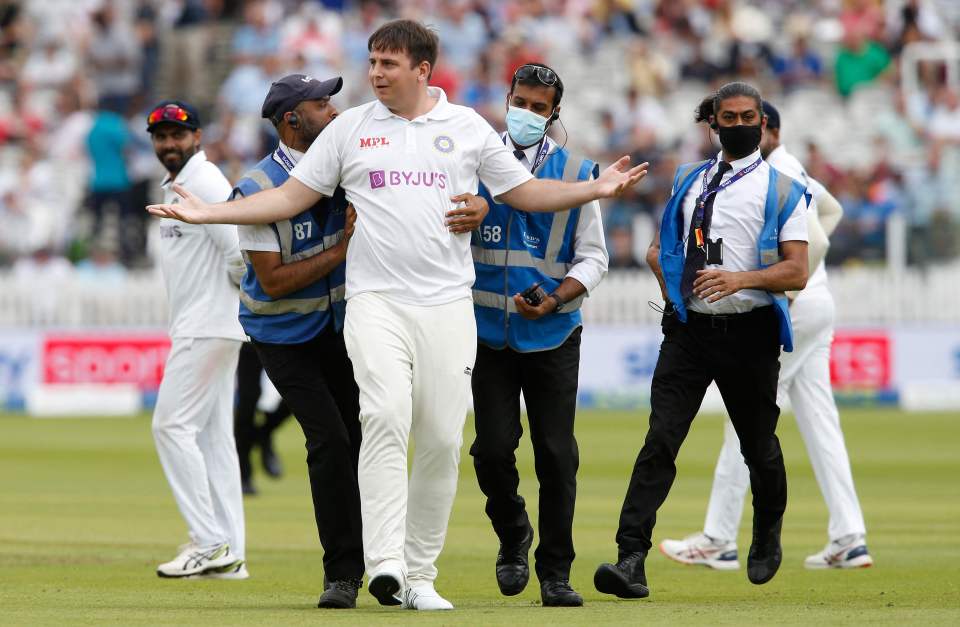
193	419
805	381
407	161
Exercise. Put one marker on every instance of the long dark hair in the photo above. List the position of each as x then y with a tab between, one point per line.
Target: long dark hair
711	104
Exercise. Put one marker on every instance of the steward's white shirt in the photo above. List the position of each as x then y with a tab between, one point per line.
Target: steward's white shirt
738	213
262	237
590	258
785	162
400	174
201	263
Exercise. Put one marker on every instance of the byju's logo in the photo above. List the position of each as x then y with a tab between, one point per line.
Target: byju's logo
407	178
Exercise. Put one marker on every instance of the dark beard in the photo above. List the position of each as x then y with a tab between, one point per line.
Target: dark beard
174	160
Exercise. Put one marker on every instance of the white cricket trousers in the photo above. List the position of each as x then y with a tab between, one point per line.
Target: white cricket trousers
805	381
413	366
193	430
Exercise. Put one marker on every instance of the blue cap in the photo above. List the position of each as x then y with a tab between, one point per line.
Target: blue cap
773	116
286	93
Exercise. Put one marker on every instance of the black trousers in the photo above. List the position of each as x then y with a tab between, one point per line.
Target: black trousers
246	432
316	380
741	353
548	380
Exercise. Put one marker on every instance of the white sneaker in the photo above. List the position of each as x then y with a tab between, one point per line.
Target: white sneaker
237	570
194	560
700	548
846	552
424	597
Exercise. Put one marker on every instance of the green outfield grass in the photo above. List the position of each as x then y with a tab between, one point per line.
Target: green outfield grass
85	516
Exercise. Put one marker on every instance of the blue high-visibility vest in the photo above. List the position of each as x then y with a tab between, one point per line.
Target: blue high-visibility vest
514	249
783	196
300	315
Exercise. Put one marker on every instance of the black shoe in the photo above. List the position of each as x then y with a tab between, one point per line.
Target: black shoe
271	463
246	485
385	588
558	593
340	594
626	578
513	566
765	555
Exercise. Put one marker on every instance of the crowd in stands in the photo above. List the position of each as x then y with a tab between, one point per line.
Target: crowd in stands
869	94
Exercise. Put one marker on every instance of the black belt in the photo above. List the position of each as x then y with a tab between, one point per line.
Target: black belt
725	322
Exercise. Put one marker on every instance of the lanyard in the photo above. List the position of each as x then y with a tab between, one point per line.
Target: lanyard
699	208
541	152
706	194
284	159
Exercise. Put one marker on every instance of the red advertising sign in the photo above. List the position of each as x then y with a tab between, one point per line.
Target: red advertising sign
91	358
861	360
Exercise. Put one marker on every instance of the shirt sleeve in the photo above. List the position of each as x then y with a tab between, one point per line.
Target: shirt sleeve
211	185
498	168
319	168
829	210
258	237
817	240
795	228
224	237
590	258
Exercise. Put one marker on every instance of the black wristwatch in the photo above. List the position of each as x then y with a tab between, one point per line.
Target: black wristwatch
560	302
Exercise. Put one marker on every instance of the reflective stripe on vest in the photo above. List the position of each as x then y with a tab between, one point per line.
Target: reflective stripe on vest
285	234
499	301
292	305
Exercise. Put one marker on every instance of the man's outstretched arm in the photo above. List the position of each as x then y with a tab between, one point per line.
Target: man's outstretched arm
552	195
272	205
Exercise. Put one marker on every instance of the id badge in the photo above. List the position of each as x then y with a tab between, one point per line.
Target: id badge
715	251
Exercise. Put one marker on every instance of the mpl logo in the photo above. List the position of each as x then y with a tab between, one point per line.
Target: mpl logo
373	142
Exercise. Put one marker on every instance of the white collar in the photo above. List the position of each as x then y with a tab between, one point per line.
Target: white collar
530	152
440	111
293	155
192	164
743	162
777	150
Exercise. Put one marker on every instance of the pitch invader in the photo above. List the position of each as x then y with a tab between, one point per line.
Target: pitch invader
805	380
193	419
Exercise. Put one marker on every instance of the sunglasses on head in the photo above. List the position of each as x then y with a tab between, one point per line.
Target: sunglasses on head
168	113
545	75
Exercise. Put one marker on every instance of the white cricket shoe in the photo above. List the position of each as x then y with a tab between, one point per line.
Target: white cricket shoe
847	552
700	548
194	560
236	571
424	597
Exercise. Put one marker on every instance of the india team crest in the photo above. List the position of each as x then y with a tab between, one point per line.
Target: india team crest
443	143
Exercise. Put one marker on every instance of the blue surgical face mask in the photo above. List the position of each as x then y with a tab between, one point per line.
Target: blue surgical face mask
524	126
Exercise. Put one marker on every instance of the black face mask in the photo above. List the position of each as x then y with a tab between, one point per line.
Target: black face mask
739	141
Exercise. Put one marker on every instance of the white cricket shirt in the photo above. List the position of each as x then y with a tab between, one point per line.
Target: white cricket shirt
201	263
738	213
785	162
400	174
